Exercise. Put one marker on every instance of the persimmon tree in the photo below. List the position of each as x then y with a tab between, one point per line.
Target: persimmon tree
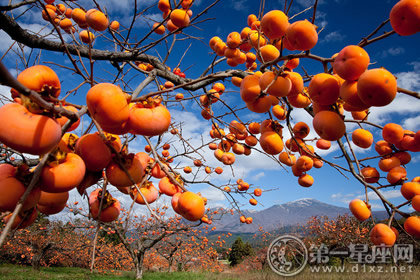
41	157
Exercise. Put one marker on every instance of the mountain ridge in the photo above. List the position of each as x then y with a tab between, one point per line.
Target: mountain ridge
286	214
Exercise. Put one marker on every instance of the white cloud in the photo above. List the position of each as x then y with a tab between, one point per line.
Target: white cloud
346	198
393	51
258	176
239	5
333	37
412	123
213	194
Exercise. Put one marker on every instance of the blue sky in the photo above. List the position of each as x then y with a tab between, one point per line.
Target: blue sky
342	23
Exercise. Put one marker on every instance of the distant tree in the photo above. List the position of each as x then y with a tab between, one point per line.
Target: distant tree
239	250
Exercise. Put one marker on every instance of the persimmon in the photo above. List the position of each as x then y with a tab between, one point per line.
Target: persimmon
359	209
68	142
39	78
348	92
149	121
174	202
149	191
323	144
225	146
276	85
191	206
302	35
63	120
164	5
157	171
65	24
248	220
271	142
27	132
250	88
387	163
96	20
274	24
233	40
301	130
219	87
172	27
412	226
158	29
94	152
287	158
180	18
370	174
261	105
382	234
11	190
110	207
218	170
117	176
396	174
410	189
306	180
351	62
55	175
329	125
393	133
256	39
254	128
362	138
415	202
405	17
377	87
166	186
318	163
292	63
238	129
49	14
324	89
79	16
114	25
52	203
382	147
297	82
24	218
360	115
228	158
304	163
257	192
409	142
251	140
299	100
295	145
404	157
253	201
68	13
268	53
108	105
86	37
279	112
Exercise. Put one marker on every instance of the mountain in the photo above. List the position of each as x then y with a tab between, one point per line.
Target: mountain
278	216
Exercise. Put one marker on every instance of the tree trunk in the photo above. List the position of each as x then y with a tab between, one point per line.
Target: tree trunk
39	253
139	264
36	261
171	260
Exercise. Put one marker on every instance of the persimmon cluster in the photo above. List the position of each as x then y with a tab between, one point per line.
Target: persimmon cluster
68	19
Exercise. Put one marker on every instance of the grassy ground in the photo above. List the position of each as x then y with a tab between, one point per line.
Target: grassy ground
26	273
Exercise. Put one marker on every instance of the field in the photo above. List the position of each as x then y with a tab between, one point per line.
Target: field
26	273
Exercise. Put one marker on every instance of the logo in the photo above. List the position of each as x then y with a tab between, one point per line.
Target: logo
287	255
